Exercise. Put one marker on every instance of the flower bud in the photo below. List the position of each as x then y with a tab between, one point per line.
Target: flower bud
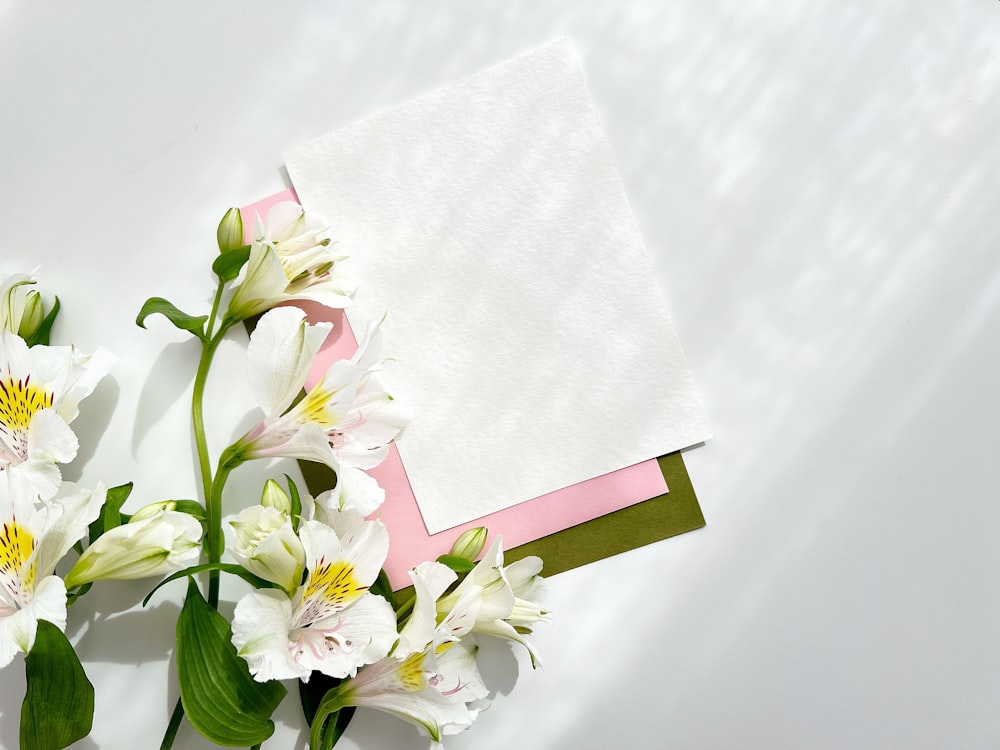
266	545
20	306
275	497
470	543
148	511
32	315
230	231
155	544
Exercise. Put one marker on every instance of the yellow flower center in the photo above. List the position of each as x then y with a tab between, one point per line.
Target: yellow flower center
314	407
19	400
16	546
411	673
330	588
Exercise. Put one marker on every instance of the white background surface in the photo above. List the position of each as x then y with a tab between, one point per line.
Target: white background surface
817	183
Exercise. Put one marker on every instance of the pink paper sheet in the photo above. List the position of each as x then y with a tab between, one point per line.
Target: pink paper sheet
544	515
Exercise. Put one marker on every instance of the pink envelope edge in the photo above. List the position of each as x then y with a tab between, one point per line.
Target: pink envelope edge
519	524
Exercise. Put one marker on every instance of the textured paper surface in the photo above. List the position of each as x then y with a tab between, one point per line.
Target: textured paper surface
487	219
519	524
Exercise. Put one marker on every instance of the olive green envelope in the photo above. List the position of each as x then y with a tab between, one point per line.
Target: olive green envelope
637	525
672	513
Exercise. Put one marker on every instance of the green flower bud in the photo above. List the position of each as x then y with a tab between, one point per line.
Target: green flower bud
230	231
153	545
470	543
31	315
275	497
153	509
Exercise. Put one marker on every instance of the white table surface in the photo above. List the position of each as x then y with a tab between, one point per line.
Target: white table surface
817	183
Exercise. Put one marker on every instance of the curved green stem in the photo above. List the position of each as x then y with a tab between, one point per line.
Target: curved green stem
197	414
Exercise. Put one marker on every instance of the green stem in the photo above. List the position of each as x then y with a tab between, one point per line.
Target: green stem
197	414
215	310
173	726
213	519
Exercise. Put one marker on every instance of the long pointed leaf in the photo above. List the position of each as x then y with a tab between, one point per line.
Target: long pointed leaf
193	323
58	706
221	699
111	515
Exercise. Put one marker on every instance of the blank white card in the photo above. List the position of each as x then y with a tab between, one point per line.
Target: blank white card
530	339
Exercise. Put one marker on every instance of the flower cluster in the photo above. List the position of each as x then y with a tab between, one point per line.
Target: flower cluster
430	677
321	610
41	388
44	517
423	670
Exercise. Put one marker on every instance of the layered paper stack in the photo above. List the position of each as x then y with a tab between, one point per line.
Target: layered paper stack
486	221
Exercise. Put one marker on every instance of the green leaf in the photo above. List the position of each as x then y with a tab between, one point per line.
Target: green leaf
383	588
458	564
111	512
58	706
228	265
191	507
41	336
233	568
221	699
296	503
158	305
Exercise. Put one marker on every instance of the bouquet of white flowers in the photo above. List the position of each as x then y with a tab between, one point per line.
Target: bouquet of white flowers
321	610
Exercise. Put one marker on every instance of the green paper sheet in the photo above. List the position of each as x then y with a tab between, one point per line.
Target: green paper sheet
635	526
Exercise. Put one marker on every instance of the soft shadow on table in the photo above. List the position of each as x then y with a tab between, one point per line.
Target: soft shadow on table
92	421
169	378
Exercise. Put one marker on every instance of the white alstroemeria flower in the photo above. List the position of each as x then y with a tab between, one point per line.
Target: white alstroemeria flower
430	688
20	306
430	581
267	546
332	624
346	420
150	544
290	258
487	602
33	540
431	676
40	392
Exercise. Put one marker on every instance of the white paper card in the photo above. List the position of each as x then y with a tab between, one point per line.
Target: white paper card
530	338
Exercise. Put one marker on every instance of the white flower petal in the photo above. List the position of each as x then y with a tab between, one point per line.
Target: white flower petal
355	491
281	351
260	634
87	372
17	631
361	634
67	517
35	478
430	580
365	544
50	438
